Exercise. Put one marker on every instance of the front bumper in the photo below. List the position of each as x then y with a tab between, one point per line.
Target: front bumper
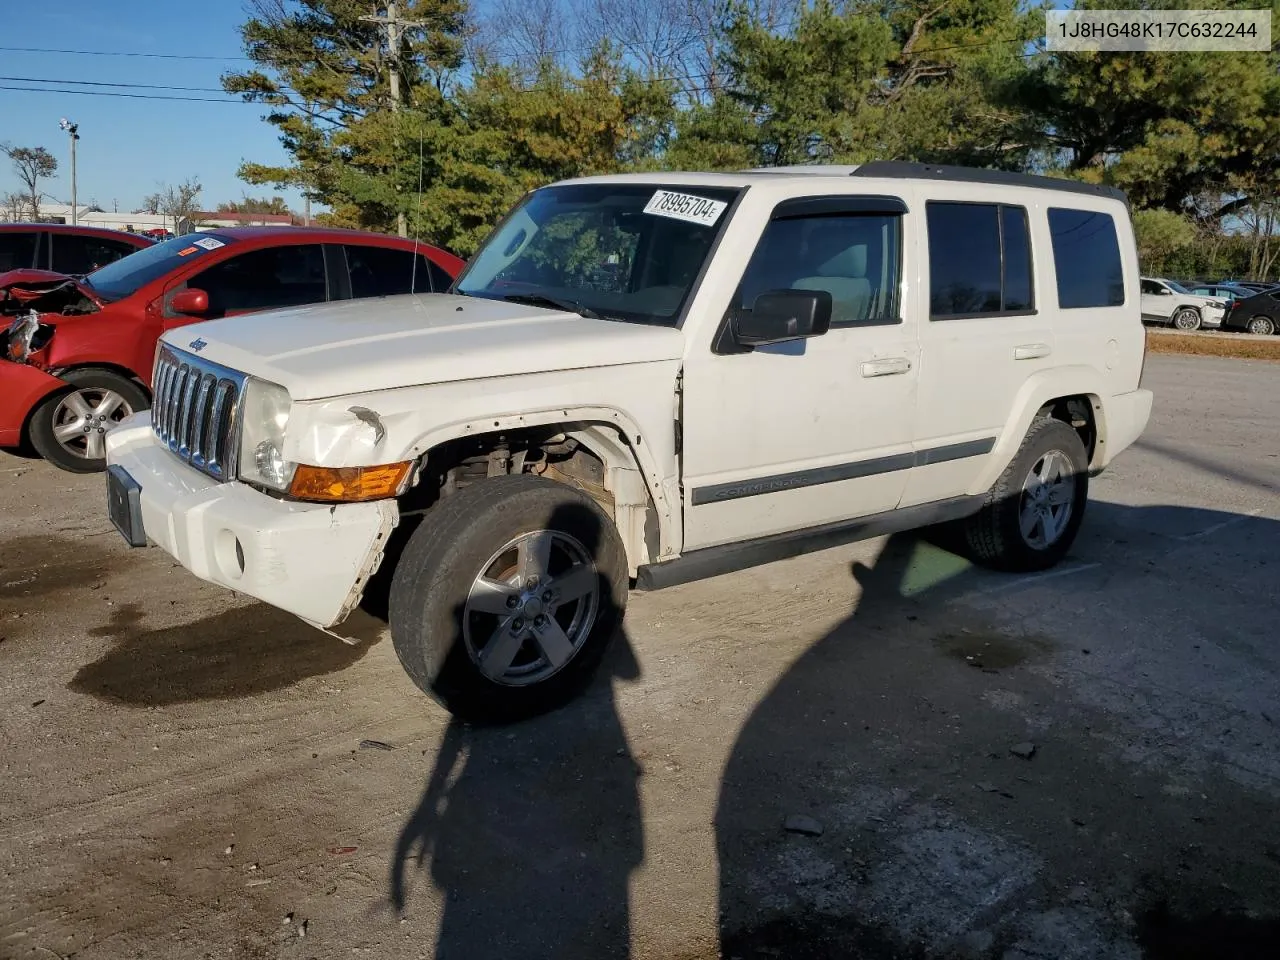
1127	415
311	560
22	387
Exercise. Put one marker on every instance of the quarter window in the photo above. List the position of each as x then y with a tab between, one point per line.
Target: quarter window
1086	259
854	257
979	260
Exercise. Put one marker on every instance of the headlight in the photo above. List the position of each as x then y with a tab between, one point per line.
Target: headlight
264	417
21	334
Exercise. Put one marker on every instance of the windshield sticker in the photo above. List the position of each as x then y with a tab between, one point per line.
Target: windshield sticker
209	243
684	206
187	251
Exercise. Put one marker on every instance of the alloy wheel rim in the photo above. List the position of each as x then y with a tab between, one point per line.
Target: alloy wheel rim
531	608
1047	501
84	417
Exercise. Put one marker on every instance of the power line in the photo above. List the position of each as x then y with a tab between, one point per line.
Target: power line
104	83
113	93
119	53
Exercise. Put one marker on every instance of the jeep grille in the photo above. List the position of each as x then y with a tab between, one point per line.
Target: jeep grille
196	412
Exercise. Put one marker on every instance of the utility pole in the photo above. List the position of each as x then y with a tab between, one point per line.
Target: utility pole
71	129
393	24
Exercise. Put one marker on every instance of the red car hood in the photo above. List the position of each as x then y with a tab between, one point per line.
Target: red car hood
27	284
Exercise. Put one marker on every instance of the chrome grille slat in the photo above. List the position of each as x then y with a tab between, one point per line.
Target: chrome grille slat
195	411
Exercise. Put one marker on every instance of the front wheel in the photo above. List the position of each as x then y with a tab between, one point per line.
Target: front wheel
1187	319
70	428
506	597
1032	514
1263	326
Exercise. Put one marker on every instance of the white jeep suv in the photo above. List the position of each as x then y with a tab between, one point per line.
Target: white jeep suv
1164	301
643	379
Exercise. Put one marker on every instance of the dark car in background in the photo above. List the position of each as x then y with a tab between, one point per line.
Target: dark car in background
1257	314
77	356
63	248
1230	292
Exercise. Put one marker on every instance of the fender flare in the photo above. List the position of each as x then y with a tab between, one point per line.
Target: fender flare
1039	389
663	488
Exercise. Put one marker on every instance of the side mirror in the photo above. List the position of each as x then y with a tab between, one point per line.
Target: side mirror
192	302
778	316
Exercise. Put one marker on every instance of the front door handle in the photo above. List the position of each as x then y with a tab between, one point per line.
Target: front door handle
886	368
1032	351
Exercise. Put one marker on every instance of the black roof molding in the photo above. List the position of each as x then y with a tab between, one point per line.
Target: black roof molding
903	170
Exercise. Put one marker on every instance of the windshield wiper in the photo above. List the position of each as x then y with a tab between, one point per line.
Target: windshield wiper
558	303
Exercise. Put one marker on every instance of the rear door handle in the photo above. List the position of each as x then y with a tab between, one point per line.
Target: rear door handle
1031	351
886	368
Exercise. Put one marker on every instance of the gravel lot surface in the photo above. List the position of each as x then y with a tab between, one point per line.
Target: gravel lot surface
1079	764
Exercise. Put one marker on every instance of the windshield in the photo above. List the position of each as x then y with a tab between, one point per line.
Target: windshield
1177	287
618	251
127	275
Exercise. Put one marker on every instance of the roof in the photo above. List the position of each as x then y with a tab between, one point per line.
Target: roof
77	229
316	234
878	170
254	218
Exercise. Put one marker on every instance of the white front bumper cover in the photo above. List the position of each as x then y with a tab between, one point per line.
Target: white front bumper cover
311	560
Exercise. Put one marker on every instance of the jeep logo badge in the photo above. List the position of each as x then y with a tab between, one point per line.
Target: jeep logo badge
197	344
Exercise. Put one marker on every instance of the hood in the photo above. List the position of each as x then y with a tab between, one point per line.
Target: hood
45	292
357	346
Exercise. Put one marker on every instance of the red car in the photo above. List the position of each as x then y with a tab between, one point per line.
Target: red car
62	248
77	358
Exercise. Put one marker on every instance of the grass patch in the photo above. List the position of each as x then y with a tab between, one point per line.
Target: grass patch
1213	345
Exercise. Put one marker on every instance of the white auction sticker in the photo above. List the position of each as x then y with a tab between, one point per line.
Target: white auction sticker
685	206
1169	31
209	243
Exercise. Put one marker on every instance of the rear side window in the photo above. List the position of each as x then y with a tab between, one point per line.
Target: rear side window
1086	259
979	260
17	250
78	255
382	272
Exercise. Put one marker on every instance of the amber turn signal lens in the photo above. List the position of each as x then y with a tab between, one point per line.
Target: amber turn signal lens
348	484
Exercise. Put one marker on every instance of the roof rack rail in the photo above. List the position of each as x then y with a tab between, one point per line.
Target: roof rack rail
904	170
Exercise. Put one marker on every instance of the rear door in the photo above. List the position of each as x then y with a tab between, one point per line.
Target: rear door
984	335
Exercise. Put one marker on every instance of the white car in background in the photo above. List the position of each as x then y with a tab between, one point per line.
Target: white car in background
1166	302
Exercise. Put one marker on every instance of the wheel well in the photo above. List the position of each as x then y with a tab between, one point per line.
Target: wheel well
1078	412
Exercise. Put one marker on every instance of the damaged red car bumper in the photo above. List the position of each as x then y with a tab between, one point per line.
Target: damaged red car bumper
22	387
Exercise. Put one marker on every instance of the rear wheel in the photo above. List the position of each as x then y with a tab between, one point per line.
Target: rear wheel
70	428
1035	508
1264	326
1187	319
506	597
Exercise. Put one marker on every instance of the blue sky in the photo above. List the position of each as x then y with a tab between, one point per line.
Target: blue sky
127	146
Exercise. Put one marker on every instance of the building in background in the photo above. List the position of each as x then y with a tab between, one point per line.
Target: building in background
153	224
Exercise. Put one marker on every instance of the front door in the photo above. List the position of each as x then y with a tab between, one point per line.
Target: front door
814	431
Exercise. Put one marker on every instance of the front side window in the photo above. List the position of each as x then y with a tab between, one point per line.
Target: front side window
17	250
617	251
979	260
1086	259
1150	286
854	257
285	276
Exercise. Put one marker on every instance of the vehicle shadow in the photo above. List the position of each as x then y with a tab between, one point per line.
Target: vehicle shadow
530	832
985	766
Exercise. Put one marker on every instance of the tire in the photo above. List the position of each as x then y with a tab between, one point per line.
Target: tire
995	535
1264	326
1186	319
59	429
465	553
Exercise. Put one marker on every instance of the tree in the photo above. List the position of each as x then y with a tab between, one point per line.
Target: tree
1160	234
274	205
178	202
31	164
323	72
12	206
151	203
